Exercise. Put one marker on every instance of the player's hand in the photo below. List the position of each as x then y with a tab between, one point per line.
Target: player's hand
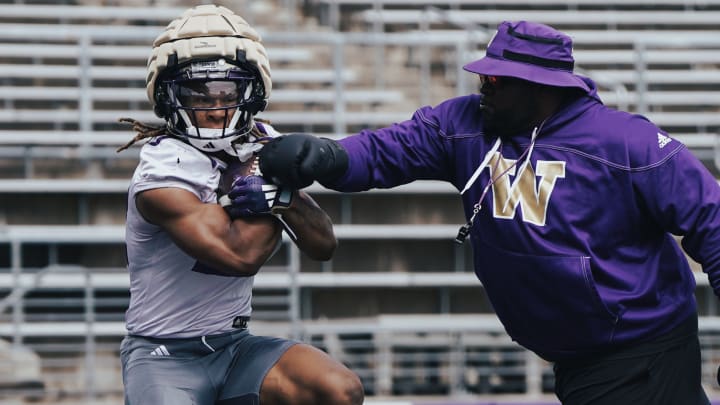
253	196
296	160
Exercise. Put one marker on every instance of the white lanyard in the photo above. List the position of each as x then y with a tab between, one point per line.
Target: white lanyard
464	230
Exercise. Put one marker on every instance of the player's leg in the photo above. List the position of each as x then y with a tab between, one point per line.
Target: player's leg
277	371
305	375
154	374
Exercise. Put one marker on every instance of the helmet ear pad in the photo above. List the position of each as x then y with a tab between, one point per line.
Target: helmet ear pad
257	107
162	107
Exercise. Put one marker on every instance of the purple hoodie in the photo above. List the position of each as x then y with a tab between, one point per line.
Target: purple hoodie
573	242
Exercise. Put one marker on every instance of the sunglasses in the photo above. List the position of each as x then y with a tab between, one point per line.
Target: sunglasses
501	81
494	81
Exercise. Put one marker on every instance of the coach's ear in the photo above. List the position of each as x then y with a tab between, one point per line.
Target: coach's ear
297	160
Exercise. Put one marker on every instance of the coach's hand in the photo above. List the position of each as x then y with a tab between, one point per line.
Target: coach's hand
296	160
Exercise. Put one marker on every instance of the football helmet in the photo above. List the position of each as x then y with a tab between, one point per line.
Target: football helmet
208	75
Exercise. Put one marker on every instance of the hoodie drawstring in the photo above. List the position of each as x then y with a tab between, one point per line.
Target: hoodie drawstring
525	164
464	230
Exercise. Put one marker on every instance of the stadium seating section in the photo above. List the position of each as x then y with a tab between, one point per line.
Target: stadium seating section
399	302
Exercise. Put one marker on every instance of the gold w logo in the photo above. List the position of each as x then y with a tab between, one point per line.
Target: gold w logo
524	191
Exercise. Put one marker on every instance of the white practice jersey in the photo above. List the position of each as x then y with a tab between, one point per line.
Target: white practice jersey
172	295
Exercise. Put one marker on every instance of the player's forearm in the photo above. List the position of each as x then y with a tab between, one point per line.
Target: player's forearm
312	227
252	242
234	248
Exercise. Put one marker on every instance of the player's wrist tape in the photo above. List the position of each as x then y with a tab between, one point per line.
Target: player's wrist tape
281	200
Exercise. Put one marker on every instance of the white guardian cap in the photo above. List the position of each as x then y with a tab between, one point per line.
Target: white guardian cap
209	59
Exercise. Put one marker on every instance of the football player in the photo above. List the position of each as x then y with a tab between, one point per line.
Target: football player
192	260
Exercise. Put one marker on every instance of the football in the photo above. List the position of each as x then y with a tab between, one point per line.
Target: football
237	169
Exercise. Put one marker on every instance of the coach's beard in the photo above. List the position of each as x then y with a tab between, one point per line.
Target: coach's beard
505	123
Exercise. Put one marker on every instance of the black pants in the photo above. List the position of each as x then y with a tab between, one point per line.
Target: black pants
646	374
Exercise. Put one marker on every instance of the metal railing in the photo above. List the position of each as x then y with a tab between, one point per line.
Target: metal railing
418	354
394	355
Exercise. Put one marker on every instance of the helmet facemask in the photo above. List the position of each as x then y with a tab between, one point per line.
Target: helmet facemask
211	103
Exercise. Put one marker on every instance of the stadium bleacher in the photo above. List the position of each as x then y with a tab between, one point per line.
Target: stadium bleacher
399	302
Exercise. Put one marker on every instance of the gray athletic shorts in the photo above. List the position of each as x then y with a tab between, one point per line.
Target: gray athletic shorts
221	369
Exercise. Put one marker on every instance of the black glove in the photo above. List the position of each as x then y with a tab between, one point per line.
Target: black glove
296	160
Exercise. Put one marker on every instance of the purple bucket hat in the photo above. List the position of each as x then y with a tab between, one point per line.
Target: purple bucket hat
532	52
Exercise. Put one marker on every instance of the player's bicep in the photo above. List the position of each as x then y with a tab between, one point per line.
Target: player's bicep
168	206
188	221
205	232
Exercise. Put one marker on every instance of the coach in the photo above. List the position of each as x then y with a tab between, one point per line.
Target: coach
571	209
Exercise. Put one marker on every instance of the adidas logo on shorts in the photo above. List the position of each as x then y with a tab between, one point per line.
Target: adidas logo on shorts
160	351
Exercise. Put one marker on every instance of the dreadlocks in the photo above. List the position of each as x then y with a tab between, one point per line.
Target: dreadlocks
143	131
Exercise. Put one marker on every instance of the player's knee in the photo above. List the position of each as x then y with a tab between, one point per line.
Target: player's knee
345	389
